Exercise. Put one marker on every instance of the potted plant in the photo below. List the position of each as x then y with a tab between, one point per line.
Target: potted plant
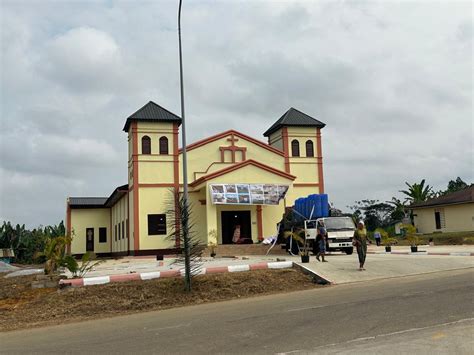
388	242
414	241
212	249
305	253
298	237
386	239
412	238
212	244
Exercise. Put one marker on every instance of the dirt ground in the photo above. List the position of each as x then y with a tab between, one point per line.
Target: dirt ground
23	307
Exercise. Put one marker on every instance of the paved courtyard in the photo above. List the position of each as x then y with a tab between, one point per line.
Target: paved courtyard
340	268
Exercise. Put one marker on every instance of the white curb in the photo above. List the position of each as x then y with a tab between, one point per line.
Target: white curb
150	275
99	280
280	265
238	268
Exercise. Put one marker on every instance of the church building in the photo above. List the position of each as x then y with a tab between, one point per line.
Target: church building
235	182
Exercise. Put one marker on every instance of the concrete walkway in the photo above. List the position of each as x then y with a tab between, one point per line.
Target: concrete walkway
436	249
344	268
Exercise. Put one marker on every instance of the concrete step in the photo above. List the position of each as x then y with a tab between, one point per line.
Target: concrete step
245	249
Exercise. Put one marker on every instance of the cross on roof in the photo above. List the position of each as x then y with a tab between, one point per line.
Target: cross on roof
232	140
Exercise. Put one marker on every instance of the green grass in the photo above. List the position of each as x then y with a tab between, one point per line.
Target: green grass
451	238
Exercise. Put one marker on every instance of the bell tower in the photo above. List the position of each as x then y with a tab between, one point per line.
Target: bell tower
153	165
298	135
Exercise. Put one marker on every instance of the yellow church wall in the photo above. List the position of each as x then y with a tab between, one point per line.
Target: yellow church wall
96	218
207	158
305	172
250	174
153	200
302	131
276	140
299	191
131	220
199	159
266	157
212	168
153	172
119	214
199	214
271	215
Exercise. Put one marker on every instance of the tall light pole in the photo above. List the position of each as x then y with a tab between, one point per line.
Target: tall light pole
184	216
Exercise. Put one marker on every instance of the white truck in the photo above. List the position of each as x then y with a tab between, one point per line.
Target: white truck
340	233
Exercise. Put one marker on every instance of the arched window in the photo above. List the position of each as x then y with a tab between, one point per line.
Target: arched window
163	145
146	145
295	148
309	149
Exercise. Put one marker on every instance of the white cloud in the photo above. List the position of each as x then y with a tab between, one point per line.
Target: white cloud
392	81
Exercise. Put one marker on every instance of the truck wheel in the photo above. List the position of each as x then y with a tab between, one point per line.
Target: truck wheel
349	251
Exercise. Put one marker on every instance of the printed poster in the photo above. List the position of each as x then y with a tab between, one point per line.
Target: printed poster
247	194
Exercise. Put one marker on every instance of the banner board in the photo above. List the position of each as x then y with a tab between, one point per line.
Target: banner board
247	194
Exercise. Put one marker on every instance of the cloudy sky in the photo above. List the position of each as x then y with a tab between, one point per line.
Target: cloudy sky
392	81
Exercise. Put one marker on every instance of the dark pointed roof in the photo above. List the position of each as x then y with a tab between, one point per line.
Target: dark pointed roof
293	117
152	112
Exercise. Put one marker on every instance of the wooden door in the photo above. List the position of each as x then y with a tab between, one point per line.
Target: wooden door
90	239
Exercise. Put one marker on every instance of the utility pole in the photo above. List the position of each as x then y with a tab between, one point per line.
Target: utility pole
184	216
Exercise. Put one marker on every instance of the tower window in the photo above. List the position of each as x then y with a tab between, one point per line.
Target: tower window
309	149
146	145
295	148
163	145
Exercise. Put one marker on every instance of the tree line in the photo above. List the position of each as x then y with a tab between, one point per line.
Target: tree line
27	244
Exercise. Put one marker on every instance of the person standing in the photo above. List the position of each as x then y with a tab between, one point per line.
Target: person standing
236	236
360	242
321	239
377	237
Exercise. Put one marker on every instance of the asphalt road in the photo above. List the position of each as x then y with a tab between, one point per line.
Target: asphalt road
430	313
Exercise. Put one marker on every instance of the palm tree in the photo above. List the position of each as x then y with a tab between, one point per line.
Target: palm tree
417	192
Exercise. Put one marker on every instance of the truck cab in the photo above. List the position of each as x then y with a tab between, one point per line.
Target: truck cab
340	232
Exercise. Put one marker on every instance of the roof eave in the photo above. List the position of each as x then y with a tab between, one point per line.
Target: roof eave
130	120
276	128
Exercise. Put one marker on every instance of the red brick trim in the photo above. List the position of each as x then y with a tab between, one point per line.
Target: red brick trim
236	133
320	160
68	225
259	223
176	178
157	185
284	135
136	183
241	165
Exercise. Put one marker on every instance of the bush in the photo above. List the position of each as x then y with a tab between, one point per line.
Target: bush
27	243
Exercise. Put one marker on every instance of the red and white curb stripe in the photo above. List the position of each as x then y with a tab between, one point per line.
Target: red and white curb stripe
100	280
460	253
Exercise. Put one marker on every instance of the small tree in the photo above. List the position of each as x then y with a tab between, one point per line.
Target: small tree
178	215
55	254
417	192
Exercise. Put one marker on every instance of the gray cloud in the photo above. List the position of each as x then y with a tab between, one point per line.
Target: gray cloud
392	80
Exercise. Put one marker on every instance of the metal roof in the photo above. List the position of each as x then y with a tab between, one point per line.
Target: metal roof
116	195
152	112
463	196
293	117
87	201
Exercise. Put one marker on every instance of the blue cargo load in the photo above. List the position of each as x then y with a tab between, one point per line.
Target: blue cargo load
318	204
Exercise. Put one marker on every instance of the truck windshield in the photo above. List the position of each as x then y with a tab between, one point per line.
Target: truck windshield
338	223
